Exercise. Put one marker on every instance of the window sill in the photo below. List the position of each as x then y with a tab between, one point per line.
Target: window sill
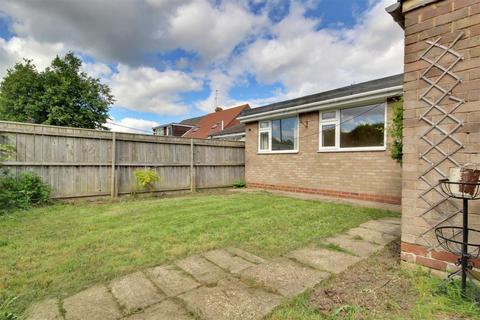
278	152
373	149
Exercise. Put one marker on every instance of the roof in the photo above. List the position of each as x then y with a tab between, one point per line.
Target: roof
377	84
396	11
171	124
192	121
237	128
212	122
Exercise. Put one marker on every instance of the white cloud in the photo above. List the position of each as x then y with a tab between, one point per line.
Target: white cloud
212	31
147	89
231	41
125	30
15	49
306	60
132	125
97	69
118	30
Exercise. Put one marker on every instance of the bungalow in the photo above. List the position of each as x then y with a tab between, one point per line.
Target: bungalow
333	143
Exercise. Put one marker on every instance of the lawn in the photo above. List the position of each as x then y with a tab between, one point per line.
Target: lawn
60	249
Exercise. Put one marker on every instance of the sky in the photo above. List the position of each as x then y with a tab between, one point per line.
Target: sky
167	60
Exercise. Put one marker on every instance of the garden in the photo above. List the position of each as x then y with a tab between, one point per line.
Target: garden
60	249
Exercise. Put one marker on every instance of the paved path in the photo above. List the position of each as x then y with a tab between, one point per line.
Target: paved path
220	284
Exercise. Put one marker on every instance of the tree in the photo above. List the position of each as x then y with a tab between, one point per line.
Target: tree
60	95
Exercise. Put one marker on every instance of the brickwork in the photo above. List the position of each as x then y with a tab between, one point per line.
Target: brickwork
361	175
445	19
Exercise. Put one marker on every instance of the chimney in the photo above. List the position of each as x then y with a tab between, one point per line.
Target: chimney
218	109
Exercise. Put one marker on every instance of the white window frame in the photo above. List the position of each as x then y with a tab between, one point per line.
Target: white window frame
269	131
337	123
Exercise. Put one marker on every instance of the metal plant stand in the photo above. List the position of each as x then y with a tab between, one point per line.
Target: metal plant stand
456	239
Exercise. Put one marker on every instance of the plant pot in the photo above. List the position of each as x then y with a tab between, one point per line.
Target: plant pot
466	179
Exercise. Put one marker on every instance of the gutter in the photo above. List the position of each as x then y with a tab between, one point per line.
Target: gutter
355	99
395	10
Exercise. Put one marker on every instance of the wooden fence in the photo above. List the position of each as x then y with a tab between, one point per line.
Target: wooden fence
83	162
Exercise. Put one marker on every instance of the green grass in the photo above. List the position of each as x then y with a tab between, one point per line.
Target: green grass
434	302
58	250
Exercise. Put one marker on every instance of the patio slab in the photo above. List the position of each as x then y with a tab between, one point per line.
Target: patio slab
171	280
44	310
231	299
392	220
166	310
228	261
202	269
95	303
246	255
360	248
382	226
323	259
372	235
284	276
135	291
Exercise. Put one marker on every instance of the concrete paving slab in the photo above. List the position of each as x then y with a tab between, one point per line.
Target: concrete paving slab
135	291
383	227
323	259
44	310
171	280
284	276
246	255
231	299
95	303
372	235
360	248
166	310
202	269
228	261
392	220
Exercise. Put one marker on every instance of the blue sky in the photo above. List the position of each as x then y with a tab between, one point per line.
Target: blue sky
165	59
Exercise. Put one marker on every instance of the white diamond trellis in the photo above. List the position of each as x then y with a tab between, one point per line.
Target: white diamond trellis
437	154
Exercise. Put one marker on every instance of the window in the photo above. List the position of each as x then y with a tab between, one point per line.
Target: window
279	135
352	129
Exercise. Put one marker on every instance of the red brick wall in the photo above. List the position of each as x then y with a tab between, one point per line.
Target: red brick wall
371	176
445	19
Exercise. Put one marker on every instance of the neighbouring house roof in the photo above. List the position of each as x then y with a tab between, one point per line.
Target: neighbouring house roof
212	122
172	124
361	92
192	121
235	129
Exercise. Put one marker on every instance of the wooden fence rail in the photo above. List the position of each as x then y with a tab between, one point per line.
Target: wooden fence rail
83	162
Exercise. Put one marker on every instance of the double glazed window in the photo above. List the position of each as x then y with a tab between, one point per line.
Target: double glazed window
279	135
359	128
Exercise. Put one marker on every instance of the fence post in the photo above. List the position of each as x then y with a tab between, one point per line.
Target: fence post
114	158
192	166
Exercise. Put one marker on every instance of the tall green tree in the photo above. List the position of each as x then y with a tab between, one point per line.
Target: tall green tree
60	95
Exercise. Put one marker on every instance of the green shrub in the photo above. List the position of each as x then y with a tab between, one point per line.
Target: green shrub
23	191
396	130
146	179
239	184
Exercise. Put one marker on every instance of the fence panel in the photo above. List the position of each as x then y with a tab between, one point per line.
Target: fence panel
83	162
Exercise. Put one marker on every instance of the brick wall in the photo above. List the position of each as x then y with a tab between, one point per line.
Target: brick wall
445	19
371	176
